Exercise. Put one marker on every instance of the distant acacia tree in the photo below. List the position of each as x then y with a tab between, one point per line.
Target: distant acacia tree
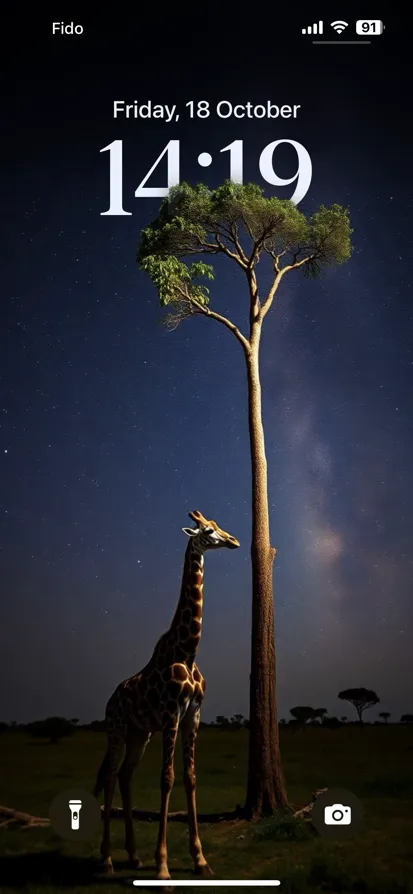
343	719
302	714
238	223
238	720
319	713
331	722
361	698
53	729
385	715
221	721
98	726
406	718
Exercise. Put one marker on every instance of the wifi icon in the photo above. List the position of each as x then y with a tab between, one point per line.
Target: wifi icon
339	26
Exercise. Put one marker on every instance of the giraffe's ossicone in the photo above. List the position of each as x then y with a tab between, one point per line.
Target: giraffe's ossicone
166	696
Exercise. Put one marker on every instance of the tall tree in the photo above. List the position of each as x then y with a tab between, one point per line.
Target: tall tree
361	698
237	222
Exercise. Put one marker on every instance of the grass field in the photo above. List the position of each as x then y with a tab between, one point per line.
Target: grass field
376	764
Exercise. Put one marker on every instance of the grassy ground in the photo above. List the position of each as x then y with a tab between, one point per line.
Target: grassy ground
376	764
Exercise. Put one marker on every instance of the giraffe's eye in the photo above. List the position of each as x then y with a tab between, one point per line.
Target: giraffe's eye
215	536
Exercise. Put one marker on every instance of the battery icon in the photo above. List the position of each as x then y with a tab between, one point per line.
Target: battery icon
369	27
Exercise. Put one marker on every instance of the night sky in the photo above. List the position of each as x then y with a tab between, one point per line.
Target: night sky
113	428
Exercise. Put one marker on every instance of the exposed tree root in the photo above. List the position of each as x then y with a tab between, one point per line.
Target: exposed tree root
15	818
305	813
9	817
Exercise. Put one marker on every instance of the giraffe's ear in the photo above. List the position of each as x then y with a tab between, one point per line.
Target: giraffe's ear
190	532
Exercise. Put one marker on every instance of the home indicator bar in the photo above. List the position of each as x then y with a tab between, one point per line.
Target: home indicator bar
204	883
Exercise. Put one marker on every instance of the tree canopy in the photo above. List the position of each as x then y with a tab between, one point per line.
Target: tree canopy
240	222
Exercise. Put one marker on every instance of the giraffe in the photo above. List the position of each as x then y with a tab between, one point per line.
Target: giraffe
165	696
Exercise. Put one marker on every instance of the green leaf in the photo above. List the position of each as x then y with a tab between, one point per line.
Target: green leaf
175	281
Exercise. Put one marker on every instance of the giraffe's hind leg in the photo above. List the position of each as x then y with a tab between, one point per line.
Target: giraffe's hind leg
136	743
115	749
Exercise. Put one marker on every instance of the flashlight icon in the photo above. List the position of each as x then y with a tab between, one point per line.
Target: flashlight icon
75	807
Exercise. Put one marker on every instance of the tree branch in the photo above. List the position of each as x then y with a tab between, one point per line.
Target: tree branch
212	249
269	299
279	275
254	299
277	258
10	817
238	246
229	253
225	322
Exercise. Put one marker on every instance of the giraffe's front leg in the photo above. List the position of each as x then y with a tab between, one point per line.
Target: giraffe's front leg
189	729
169	735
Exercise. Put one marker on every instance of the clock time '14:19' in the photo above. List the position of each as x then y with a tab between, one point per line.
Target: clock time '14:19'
302	176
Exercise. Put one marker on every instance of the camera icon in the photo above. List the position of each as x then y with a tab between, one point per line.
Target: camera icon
337	815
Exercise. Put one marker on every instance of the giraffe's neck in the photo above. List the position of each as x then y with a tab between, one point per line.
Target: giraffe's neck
185	631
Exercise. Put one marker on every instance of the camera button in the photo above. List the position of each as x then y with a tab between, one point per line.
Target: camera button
338	814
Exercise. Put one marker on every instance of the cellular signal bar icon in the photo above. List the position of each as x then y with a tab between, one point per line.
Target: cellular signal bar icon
313	29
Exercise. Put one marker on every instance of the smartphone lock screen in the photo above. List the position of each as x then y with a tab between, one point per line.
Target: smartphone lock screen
206	346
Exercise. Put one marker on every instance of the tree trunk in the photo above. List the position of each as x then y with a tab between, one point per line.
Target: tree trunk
265	787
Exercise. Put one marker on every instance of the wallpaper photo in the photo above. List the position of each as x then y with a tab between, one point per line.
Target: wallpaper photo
115	426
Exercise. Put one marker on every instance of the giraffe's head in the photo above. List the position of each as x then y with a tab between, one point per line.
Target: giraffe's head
208	535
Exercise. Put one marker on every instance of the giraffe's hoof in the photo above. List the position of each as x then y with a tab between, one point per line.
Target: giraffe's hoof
135	862
108	867
204	871
164	875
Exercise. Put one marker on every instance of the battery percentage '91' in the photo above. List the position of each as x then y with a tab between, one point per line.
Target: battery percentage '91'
369	26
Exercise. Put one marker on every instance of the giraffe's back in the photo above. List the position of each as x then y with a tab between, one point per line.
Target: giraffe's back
147	700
